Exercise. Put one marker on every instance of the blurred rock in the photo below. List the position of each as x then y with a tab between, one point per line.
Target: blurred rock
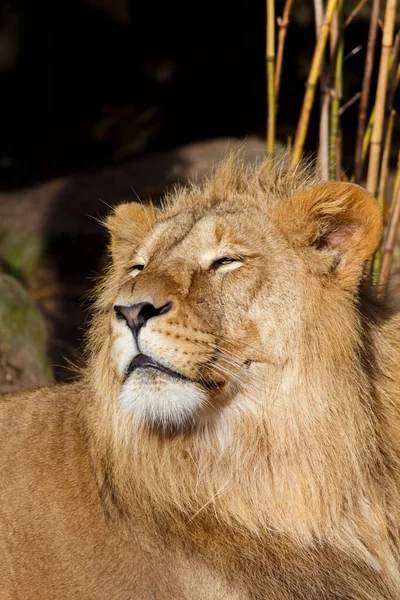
23	362
21	253
68	205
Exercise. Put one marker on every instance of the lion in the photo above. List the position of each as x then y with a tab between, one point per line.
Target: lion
235	433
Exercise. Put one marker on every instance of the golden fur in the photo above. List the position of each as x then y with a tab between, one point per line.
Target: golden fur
270	468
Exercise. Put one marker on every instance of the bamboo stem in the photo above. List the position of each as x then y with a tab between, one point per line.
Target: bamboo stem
367	134
393	81
270	63
319	15
338	52
349	103
384	167
396	186
339	150
377	258
352	53
385	162
366	85
354	12
394	78
380	101
311	83
394	72
367	137
323	147
389	244
325	100
334	35
283	23
289	145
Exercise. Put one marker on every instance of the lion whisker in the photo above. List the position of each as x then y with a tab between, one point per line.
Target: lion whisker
213	497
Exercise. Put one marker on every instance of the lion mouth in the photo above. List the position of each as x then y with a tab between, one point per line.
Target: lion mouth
142	361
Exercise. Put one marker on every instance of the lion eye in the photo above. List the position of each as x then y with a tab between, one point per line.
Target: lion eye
135	269
225	260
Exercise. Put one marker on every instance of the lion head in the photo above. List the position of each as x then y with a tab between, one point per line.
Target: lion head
211	299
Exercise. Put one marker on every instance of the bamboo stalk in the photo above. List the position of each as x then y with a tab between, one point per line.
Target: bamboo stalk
354	13
389	244
325	100
392	88
366	85
334	35
311	83
289	145
394	78
393	81
338	52
380	101
377	258
323	146
367	134
396	186
368	131
394	75
367	137
349	103
394	72
283	23
270	63
339	150
319	15
385	162
352	53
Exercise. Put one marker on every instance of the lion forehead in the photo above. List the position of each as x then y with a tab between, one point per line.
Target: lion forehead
206	236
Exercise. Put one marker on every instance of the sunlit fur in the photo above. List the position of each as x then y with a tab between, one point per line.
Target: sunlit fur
272	471
307	442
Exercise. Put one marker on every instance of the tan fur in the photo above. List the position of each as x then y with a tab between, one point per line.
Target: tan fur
281	479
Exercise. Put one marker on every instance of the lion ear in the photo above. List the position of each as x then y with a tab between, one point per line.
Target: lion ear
128	225
340	221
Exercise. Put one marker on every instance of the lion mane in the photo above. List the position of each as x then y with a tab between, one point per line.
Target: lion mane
235	432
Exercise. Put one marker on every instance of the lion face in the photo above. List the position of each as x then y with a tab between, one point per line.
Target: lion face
212	296
186	319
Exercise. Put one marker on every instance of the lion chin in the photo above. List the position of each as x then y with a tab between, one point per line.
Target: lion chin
157	399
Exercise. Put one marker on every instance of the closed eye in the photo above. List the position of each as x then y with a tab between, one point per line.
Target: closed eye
136	269
224	261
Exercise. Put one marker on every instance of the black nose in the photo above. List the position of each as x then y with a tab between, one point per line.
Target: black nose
137	315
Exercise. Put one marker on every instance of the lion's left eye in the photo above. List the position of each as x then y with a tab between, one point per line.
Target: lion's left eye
220	262
136	269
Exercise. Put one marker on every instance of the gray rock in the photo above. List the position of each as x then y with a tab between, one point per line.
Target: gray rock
22	252
23	362
67	206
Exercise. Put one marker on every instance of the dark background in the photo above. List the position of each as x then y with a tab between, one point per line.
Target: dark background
173	72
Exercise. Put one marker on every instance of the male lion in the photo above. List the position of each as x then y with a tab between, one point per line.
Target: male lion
236	432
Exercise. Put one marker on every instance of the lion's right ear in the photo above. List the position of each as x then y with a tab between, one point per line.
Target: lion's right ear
338	222
128	224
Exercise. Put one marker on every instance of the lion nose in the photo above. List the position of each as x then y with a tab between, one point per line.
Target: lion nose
137	315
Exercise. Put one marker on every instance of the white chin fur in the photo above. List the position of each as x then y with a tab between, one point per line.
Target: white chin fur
154	398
